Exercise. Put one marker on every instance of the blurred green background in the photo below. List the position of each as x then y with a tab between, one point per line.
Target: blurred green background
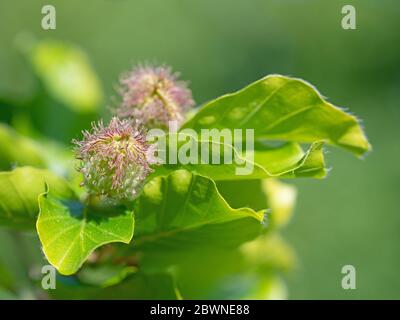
350	218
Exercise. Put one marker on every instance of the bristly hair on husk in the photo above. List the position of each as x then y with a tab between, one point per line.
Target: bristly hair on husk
154	96
114	160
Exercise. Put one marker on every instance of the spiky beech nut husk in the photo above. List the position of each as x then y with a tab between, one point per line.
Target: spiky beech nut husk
115	159
154	95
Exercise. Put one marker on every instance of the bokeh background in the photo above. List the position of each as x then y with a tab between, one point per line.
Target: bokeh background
353	216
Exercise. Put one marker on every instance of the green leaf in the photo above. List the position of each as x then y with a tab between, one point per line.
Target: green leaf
6	294
245	286
267	288
16	149
241	193
273	194
137	286
290	161
19	191
281	198
224	274
16	257
283	108
287	160
6	278
19	150
70	231
183	211
67	74
268	252
105	274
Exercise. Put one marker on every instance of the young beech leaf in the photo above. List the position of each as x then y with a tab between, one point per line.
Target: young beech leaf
273	194
70	231
281	199
19	191
67	75
16	149
283	108
104	274
19	150
136	286
287	160
183	211
216	269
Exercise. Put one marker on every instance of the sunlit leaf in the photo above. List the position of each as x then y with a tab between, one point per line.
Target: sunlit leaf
266	288
283	108
281	198
19	150
183	211
16	149
277	196
70	231
67	75
19	191
222	161
268	252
